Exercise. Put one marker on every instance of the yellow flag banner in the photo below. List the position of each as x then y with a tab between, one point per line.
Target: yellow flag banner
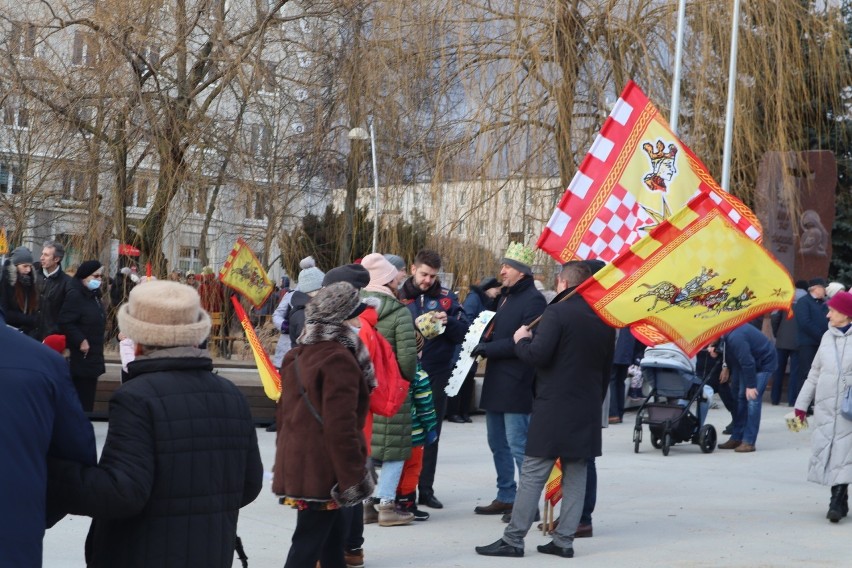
691	279
269	376
243	272
4	242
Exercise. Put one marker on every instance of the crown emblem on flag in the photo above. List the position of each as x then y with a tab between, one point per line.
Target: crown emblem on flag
520	253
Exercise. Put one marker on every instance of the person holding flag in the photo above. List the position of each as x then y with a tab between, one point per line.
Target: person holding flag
566	414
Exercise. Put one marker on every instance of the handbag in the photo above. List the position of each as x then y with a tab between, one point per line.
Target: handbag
846	404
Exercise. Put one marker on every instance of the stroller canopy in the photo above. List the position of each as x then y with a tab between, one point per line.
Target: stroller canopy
667	356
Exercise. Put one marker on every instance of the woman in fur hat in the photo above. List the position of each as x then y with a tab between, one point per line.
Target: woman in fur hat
321	454
83	321
19	293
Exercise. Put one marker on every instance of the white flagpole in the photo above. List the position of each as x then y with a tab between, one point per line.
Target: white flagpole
675	109
729	112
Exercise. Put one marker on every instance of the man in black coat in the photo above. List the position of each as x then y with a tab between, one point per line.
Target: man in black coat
572	353
507	393
180	458
811	324
53	286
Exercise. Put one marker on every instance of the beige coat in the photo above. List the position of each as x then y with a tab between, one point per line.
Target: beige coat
831	441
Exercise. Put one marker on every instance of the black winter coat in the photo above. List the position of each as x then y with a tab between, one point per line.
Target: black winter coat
296	315
572	351
83	317
20	315
52	291
179	460
507	386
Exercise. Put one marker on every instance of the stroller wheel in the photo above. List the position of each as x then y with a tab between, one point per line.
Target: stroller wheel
657	442
637	439
667	443
707	438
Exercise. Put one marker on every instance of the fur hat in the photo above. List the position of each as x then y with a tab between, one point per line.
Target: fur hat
842	302
163	313
817	282
307	262
87	268
21	255
381	270
488	282
519	257
335	303
355	274
396	260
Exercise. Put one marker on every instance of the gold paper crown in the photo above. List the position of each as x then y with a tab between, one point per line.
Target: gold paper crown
520	253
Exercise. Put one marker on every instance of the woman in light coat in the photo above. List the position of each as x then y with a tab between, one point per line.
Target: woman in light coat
830	374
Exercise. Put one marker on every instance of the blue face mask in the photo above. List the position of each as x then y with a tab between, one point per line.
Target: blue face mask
94	284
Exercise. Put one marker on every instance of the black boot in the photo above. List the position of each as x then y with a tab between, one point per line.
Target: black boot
835	506
844	500
408	503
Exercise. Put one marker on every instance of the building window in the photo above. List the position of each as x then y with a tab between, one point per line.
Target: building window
16	115
460	228
189	259
255	205
84	51
261	140
22	39
482	228
10	181
198	200
75	186
265	77
137	193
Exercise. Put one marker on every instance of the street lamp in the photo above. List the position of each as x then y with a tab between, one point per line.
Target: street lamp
359	133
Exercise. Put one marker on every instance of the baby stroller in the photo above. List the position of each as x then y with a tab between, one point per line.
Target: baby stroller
677	405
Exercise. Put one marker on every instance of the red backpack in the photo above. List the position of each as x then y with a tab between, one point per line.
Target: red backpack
392	389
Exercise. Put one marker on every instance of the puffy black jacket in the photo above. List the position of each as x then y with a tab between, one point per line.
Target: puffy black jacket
180	459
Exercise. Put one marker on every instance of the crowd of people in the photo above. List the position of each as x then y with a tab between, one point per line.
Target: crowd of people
365	353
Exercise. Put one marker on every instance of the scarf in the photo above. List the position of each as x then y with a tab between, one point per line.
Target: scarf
316	331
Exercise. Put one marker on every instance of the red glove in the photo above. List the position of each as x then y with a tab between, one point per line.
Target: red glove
801	415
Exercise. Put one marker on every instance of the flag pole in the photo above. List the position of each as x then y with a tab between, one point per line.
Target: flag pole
681	23
729	112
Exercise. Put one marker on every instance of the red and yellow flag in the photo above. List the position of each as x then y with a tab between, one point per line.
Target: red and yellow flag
636	174
269	375
553	487
693	278
243	272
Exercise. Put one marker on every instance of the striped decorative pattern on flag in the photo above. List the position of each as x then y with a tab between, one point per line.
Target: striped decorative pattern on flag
636	174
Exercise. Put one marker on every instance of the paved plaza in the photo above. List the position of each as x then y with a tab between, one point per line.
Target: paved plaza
687	509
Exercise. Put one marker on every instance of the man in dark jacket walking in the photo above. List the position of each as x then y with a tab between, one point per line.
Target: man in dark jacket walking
423	293
572	354
507	393
180	458
40	417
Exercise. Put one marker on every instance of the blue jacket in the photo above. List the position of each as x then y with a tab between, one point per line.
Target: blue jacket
810	320
439	352
748	352
40	417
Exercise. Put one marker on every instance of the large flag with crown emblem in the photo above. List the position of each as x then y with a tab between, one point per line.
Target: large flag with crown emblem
243	272
636	174
691	279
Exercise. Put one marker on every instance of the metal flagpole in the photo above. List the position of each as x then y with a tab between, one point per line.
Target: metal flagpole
375	187
729	112
681	22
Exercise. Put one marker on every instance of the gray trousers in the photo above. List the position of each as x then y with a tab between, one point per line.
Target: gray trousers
534	474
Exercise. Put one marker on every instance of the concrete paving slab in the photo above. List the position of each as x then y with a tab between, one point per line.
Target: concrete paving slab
687	509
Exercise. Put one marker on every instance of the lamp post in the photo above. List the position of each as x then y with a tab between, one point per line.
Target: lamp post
359	133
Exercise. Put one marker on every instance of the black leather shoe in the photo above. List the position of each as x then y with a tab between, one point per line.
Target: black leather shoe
430	501
455	419
551	548
495	508
467	419
501	548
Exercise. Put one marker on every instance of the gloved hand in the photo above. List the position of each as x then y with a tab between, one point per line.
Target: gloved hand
431	437
478	351
801	415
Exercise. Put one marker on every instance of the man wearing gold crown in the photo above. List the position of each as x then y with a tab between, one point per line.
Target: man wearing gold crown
507	393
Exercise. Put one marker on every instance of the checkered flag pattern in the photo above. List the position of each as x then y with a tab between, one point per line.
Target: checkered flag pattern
615	228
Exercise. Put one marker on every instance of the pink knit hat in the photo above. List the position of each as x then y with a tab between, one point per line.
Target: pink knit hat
842	302
380	269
